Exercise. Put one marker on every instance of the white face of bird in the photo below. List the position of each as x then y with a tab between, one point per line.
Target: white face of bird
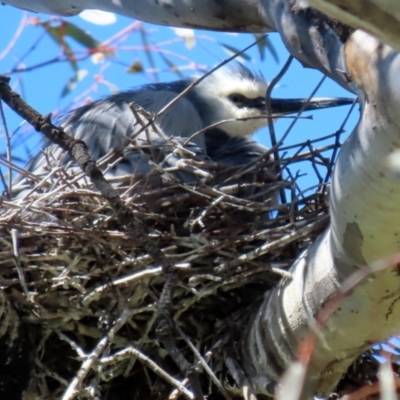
235	94
249	113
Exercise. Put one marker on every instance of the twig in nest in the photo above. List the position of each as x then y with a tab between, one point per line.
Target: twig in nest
240	378
302	232
14	235
94	356
130	352
77	149
204	364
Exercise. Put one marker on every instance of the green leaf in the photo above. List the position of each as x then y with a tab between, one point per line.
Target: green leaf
171	65
56	34
263	44
149	54
136	67
73	82
79	35
233	50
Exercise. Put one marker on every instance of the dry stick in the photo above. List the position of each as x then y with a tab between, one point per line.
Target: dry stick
319	224
337	141
3	181
204	364
314	156
300	112
135	228
94	356
240	378
281	140
271	122
22	280
131	352
9	158
316	140
57	59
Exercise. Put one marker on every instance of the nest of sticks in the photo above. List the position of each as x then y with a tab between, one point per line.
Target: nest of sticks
89	294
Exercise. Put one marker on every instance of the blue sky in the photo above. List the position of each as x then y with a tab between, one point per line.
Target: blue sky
42	87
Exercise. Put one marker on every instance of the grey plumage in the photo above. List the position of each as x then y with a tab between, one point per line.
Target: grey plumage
229	93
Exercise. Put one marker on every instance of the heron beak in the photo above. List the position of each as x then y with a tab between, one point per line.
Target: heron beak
291	106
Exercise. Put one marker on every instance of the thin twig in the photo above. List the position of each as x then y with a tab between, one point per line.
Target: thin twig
302	232
21	275
8	187
130	352
94	356
271	122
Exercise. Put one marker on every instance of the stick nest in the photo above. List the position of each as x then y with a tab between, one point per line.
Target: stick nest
72	274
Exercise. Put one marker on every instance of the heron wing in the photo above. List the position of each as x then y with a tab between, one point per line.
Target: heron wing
232	151
109	124
255	183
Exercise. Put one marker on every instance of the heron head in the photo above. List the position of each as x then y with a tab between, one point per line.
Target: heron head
237	94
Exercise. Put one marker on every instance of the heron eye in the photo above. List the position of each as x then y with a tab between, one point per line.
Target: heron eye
236	98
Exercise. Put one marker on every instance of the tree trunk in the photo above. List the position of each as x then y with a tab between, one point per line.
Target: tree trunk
378	17
365	208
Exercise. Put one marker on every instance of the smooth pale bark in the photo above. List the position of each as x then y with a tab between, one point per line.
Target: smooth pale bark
379	17
220	15
365	227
